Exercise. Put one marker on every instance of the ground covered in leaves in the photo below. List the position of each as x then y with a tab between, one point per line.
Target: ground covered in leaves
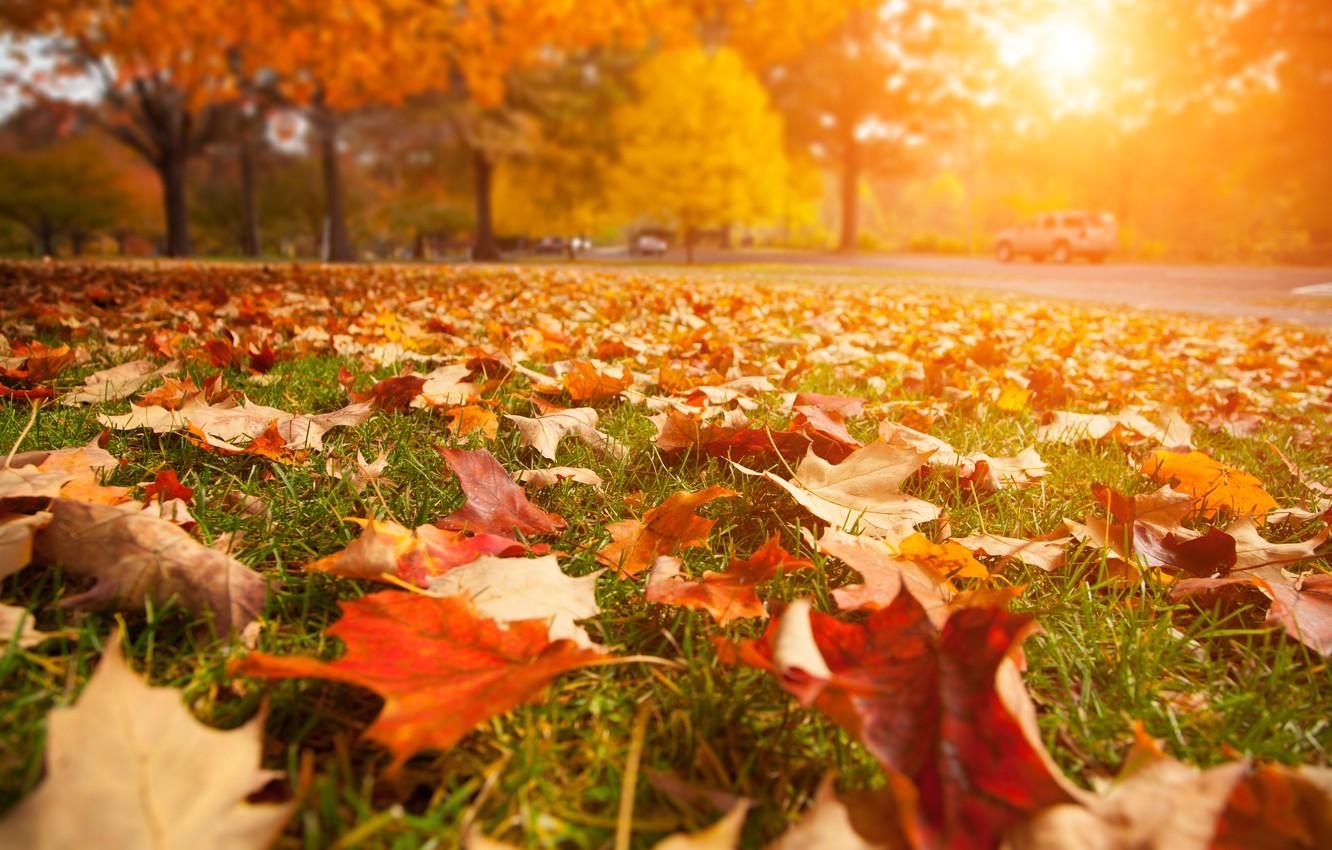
586	559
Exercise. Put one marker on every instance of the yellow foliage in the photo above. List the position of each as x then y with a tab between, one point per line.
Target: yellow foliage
1217	487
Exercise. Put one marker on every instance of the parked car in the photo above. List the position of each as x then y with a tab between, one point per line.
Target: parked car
1061	236
647	245
550	245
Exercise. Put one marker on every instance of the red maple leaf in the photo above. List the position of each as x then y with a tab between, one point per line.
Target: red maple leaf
495	504
441	668
730	594
165	487
927	703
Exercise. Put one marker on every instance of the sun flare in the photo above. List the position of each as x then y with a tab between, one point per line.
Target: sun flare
1066	47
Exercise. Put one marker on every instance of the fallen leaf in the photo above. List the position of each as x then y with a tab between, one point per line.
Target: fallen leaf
136	557
140	771
1046	555
223	426
942	707
856	820
585	383
544	433
16	533
727	595
1128	426
16	627
472	419
441	668
118	382
664	530
1216	486
165	487
541	478
495	504
385	548
508	589
884	574
864	490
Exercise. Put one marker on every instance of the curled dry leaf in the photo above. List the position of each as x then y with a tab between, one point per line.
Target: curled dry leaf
544	433
1130	425
136	557
223	426
664	530
127	767
977	469
495	504
864	490
508	589
1046	555
118	382
727	595
462	669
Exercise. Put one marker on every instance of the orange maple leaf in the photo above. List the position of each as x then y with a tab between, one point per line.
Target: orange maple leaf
585	383
1216	486
727	595
441	668
664	530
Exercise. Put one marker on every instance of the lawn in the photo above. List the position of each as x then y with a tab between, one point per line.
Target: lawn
1211	677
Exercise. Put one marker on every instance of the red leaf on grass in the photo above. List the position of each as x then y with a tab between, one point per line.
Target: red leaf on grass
413	555
441	669
495	504
165	487
938	706
664	530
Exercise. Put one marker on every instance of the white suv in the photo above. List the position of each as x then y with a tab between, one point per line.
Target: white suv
1061	236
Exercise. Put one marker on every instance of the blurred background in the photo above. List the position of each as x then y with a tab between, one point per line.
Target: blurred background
412	129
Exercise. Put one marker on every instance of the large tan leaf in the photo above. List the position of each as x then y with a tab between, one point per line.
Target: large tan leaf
127	767
979	469
508	589
136	557
1127	426
864	490
16	533
117	382
544	433
226	425
1047	555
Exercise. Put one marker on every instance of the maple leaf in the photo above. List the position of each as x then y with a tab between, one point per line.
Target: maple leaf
220	426
863	490
495	504
1302	605
855	820
1047	555
175	783
136	557
1216	486
40	363
118	382
472	419
16	534
508	589
678	432
413	555
885	574
827	430
541	478
441	668
393	395
544	433
165	487
172	395
846	406
727	595
977	469
663	530
940	706
584	383
1128	426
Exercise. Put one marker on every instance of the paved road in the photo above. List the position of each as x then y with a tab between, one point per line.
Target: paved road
1282	293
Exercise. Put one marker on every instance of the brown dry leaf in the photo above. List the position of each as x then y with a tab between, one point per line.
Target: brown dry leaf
136	557
727	595
508	589
862	491
128	767
978	469
117	382
222	426
544	433
540	478
446	386
1300	604
359	473
664	530
585	383
1047	555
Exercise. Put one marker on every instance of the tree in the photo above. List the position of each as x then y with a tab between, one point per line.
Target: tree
165	69
700	145
63	190
862	96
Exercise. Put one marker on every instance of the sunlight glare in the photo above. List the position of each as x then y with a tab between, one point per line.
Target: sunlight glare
1067	47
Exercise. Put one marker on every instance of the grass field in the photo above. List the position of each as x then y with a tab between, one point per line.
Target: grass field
1207	682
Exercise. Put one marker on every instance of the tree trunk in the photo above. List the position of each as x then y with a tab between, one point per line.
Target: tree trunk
44	240
419	246
338	245
850	193
171	170
691	236
484	248
724	237
250	244
77	242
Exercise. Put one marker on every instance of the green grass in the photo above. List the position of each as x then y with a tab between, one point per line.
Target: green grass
551	773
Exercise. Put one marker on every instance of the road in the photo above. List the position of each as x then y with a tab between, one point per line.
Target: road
1275	292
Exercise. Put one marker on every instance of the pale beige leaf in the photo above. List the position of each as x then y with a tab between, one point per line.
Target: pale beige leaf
830	823
232	427
1047	555
538	478
507	589
16	533
544	433
128	767
118	382
136	557
862	491
445	386
722	835
1129	425
16	627
884	575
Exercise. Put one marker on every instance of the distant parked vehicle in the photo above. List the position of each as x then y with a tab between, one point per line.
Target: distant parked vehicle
1061	236
647	245
551	245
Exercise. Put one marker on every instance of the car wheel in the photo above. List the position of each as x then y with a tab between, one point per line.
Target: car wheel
1061	253
1004	252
